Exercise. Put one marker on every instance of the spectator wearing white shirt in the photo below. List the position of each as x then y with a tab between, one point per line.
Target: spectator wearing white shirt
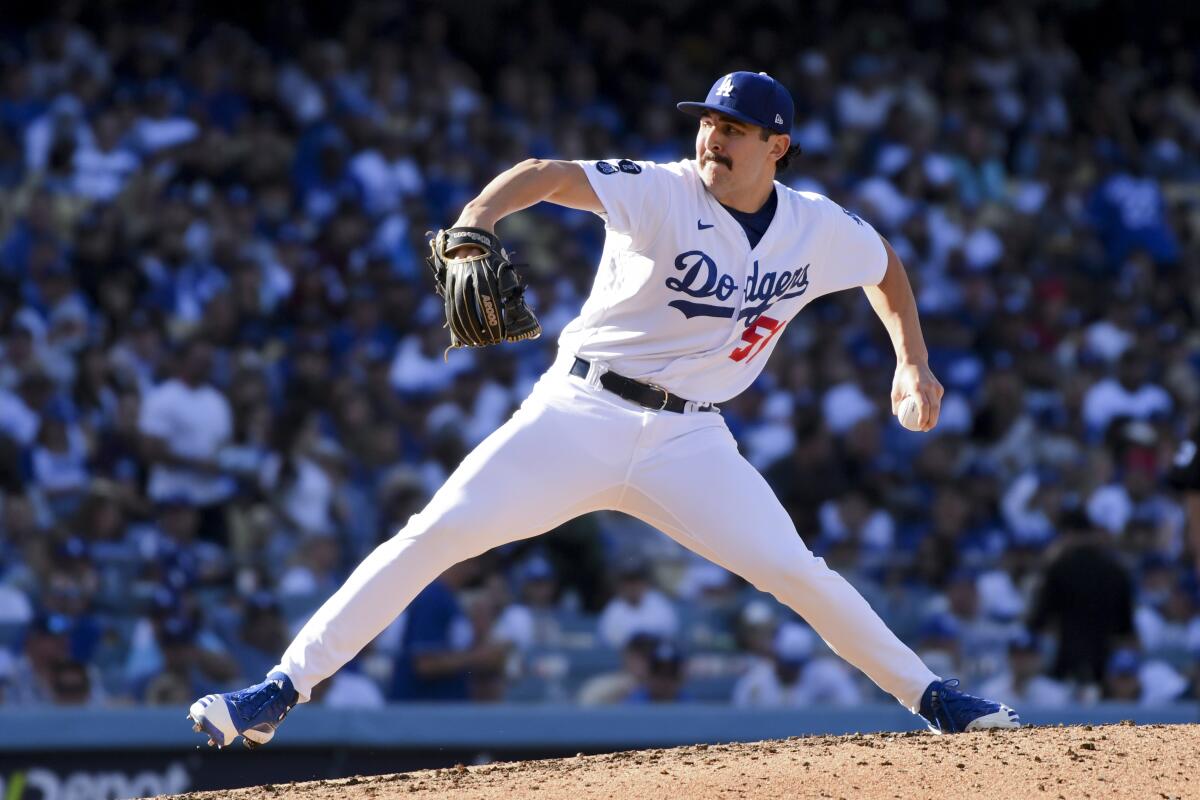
1032	505
349	688
102	168
162	128
20	417
637	607
418	366
58	462
530	622
856	531
1130	678
314	572
1130	393
305	479
864	105
184	423
1109	338
386	173
983	632
1166	617
793	678
64	120
1023	681
845	405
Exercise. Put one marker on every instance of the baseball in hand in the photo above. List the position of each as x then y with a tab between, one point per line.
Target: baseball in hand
909	413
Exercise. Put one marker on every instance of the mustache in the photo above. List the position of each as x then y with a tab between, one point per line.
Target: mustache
720	159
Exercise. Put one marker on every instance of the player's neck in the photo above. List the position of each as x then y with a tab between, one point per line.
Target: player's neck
747	200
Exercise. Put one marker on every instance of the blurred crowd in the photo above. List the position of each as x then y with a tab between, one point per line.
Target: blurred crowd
223	382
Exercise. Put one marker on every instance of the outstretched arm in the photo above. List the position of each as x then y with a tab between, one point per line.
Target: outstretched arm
530	182
893	301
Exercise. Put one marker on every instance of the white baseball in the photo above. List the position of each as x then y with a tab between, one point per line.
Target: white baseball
909	413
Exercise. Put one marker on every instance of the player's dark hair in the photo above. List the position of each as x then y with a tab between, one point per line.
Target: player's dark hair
784	160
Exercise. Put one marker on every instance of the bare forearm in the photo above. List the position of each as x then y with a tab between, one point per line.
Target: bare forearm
527	184
896	307
483	656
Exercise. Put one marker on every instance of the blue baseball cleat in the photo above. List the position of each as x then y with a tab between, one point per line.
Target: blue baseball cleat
252	713
948	710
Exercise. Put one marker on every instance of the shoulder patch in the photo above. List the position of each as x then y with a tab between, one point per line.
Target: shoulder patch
626	165
605	167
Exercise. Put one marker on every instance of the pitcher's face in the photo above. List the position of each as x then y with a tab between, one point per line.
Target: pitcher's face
733	155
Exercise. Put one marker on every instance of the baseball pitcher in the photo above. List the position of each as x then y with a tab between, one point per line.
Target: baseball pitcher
705	262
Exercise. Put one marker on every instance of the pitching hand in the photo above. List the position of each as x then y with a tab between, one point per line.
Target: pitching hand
917	380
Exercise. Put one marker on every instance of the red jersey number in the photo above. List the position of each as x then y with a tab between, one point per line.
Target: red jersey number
757	337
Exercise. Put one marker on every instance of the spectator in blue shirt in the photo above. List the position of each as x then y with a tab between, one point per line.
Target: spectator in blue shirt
1129	211
664	677
437	649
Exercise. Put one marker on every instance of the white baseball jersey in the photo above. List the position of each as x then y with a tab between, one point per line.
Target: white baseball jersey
682	300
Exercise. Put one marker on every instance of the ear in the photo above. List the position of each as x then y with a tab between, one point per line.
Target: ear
779	145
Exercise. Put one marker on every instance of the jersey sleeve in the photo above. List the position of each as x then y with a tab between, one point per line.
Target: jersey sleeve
854	253
636	196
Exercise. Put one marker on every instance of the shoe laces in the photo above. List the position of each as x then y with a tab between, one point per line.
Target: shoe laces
269	696
941	702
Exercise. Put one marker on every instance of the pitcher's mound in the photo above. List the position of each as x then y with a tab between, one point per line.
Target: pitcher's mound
1156	761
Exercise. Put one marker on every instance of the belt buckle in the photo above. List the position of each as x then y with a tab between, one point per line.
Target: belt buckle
666	395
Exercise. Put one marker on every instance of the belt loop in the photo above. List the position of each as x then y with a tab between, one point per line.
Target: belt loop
594	371
593	376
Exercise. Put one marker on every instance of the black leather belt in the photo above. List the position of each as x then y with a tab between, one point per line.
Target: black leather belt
644	394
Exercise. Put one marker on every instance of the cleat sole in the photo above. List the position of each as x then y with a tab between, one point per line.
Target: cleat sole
207	726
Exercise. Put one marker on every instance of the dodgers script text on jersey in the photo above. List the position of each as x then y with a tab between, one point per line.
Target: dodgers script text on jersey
682	300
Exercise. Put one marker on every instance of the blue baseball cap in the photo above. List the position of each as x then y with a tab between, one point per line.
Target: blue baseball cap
752	97
1125	661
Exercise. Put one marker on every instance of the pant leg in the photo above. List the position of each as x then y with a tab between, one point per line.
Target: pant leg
561	455
698	489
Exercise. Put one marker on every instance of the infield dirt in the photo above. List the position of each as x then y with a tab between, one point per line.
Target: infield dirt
1154	761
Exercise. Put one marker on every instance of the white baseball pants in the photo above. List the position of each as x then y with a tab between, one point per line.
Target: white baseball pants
571	448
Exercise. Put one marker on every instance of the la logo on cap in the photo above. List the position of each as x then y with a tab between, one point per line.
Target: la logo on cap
778	119
726	87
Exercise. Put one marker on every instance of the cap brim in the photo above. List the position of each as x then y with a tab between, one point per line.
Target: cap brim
698	109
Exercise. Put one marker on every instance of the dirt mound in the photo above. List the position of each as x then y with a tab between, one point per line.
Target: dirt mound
1156	761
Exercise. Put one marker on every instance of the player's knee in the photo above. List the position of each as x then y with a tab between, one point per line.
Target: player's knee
445	531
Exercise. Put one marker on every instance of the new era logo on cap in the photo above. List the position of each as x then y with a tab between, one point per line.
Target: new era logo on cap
752	97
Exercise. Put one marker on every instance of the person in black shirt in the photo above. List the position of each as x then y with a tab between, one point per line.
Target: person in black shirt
1185	476
1086	599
